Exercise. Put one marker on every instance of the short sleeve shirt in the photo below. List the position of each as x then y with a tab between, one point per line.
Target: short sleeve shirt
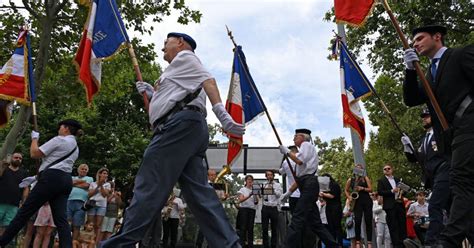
184	75
79	193
57	148
11	192
308	155
249	203
100	200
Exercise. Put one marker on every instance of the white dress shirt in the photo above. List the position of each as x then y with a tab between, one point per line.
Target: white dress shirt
308	155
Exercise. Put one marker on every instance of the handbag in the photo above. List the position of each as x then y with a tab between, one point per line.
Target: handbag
89	204
350	222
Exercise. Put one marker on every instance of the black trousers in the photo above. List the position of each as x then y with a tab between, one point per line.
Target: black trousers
269	214
170	232
363	207
440	201
54	187
462	189
307	213
420	233
246	220
396	221
334	217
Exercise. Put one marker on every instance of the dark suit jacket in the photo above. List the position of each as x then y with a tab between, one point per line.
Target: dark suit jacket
385	189
454	81
429	158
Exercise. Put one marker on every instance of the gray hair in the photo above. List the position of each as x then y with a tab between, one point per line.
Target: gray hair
306	137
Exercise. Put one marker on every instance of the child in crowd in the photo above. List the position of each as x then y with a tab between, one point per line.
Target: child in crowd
44	227
86	237
349	223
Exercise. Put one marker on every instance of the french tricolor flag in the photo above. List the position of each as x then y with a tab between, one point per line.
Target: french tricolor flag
104	35
244	102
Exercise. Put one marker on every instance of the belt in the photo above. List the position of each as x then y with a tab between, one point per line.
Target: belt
165	118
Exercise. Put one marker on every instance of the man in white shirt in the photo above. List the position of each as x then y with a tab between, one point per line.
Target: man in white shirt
419	212
178	146
306	211
271	200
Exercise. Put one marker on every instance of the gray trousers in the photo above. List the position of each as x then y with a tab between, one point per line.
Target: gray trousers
175	154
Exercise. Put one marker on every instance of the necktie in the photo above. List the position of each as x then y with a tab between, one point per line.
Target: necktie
433	69
426	143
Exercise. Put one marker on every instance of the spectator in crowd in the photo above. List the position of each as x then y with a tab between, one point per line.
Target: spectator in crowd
322	213
77	198
270	209
99	191
11	195
171	217
411	234
382	232
27	184
349	222
419	212
333	208
86	237
362	186
246	214
396	214
44	227
114	201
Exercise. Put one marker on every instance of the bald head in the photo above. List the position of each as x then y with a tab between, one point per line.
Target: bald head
211	175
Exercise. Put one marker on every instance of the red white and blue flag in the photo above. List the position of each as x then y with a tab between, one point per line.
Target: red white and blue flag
244	103
354	86
104	35
16	78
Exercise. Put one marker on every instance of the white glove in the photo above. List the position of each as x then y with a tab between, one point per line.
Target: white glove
407	145
145	87
284	197
35	135
410	57
284	150
228	124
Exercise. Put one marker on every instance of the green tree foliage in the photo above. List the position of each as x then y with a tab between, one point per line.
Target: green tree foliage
378	42
116	125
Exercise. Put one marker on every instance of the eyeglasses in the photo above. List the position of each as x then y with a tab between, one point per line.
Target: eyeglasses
386	169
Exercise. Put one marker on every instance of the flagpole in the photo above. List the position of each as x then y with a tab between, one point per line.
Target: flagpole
357	148
419	72
229	33
138	73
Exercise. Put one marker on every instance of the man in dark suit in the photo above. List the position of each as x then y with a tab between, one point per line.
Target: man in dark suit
393	206
451	76
435	176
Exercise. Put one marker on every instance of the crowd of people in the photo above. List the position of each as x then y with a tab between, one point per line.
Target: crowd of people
53	200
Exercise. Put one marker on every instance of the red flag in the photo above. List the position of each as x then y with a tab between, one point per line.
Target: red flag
353	12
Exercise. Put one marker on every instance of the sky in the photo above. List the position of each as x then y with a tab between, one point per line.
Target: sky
286	45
